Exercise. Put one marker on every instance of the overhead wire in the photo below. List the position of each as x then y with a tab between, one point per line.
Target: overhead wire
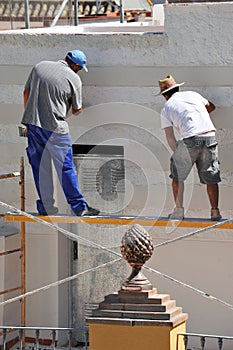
204	294
67	233
57	283
190	234
77	238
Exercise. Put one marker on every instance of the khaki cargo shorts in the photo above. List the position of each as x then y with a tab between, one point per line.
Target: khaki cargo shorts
202	151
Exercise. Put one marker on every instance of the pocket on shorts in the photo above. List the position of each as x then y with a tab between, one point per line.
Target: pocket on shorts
189	143
211	143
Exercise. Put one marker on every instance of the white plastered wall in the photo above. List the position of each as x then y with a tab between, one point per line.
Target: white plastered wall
195	47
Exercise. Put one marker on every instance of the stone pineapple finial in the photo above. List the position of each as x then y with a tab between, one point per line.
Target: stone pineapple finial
136	248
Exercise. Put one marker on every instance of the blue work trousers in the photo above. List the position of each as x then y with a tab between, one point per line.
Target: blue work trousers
44	147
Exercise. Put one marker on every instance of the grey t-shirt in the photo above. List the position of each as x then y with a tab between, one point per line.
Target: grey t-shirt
54	88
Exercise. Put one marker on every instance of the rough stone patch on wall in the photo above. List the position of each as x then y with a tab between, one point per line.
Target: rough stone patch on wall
200	33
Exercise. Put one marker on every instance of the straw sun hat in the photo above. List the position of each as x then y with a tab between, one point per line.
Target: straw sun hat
167	84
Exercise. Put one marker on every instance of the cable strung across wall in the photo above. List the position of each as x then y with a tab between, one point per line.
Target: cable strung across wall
57	283
79	238
190	234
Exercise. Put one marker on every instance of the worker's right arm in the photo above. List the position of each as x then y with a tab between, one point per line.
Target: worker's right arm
169	132
210	107
76	111
25	96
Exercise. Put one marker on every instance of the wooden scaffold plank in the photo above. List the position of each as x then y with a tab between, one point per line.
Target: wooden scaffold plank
123	220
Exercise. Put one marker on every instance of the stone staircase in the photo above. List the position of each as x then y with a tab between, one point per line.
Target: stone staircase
139	308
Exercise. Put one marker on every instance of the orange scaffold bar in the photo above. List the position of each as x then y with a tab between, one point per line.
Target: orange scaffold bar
123	220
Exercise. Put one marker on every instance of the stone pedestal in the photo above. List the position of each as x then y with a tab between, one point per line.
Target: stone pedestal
132	320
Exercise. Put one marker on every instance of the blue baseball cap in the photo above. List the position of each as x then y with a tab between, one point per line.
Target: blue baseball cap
78	57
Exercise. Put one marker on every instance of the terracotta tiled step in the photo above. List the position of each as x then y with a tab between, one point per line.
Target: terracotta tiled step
136	298
138	314
174	321
138	307
133	308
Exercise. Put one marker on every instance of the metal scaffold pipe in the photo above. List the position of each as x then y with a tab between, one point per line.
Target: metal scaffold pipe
121	12
75	12
27	20
59	13
23	248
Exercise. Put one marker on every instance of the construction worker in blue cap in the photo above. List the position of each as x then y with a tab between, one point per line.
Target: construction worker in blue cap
51	90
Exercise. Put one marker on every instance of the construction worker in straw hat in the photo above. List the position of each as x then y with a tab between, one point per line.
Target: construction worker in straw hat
188	112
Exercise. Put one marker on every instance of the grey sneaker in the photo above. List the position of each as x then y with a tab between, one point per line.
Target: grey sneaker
177	214
215	215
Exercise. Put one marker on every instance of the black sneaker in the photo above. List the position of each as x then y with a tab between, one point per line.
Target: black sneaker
88	212
49	211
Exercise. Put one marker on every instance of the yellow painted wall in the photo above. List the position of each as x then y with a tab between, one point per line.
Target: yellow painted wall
177	342
115	337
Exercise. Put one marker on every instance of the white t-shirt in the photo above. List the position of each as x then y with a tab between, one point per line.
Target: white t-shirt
186	112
